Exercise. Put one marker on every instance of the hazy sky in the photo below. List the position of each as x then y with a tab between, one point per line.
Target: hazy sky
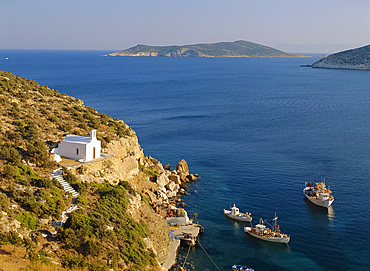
119	24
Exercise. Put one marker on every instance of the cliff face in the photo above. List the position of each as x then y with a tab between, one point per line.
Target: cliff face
113	215
355	59
155	183
123	165
220	49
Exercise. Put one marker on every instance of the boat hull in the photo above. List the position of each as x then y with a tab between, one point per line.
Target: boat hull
321	203
282	240
237	217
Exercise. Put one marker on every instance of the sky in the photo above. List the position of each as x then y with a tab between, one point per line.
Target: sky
120	24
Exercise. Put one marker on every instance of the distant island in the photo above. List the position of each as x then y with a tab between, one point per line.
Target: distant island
239	48
354	59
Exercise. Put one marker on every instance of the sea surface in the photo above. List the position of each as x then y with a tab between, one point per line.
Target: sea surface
254	129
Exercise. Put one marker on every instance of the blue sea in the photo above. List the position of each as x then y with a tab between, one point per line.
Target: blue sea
254	129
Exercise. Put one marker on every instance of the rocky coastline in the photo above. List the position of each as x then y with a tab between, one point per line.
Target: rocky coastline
158	185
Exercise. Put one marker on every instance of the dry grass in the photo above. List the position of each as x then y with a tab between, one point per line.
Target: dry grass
14	261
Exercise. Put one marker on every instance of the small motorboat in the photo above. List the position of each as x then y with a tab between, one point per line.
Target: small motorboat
241	268
235	214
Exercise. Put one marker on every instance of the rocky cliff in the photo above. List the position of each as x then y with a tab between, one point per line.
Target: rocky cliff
115	222
355	59
221	49
156	183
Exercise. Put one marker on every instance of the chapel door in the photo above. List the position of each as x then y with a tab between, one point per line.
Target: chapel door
94	153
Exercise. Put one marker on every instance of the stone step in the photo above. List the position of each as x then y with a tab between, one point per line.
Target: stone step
58	178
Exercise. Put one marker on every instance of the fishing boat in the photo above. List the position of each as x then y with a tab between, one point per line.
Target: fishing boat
241	268
266	234
235	214
318	194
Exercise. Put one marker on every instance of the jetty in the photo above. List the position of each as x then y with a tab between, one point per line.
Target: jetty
182	229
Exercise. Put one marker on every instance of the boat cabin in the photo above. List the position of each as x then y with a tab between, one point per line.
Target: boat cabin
234	210
260	228
324	196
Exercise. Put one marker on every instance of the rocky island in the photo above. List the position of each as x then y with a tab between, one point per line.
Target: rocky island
107	213
354	59
239	48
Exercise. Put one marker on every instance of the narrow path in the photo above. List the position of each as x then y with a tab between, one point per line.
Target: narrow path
58	175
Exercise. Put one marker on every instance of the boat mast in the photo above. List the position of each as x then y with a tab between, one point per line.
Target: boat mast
275	222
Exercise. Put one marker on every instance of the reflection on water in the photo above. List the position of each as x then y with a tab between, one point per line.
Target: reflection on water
265	245
280	256
321	212
237	225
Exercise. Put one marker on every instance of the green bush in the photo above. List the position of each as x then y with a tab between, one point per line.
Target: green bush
10	154
4	203
81	201
38	153
79	221
127	187
27	220
10	172
42	182
69	177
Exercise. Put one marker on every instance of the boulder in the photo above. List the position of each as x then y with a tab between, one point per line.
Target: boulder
167	167
175	179
162	180
154	164
192	177
162	195
182	176
171	186
183	166
171	194
176	188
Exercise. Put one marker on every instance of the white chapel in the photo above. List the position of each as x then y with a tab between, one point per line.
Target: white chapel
81	148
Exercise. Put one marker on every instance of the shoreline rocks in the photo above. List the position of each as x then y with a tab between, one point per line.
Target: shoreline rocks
171	184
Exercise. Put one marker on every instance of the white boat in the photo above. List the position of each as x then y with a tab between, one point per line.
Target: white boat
318	194
266	234
235	214
241	268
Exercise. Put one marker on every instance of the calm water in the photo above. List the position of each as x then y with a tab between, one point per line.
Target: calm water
255	130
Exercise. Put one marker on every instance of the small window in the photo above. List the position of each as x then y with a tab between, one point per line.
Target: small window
77	151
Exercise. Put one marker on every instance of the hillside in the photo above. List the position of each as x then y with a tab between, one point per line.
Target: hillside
355	59
114	225
221	49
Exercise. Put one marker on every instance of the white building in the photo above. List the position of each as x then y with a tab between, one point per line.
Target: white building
80	148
